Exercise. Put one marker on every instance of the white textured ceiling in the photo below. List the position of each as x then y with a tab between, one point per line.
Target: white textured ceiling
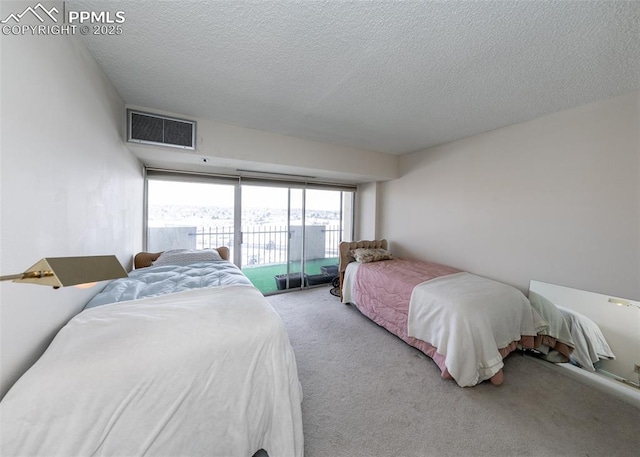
390	76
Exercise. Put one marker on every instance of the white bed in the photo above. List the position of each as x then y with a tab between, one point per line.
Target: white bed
466	323
207	371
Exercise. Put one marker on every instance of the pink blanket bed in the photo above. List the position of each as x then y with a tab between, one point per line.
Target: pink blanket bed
382	292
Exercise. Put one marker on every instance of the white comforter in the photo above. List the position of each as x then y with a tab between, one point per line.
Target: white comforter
590	344
468	318
202	372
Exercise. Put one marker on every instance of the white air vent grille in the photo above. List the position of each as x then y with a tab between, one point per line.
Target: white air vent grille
166	131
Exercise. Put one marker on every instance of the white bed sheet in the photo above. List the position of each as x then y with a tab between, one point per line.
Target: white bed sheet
348	281
589	342
557	326
468	318
202	372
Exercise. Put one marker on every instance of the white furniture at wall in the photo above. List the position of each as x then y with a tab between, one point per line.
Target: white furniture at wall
620	324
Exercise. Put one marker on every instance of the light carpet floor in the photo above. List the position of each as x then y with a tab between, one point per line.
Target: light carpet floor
367	393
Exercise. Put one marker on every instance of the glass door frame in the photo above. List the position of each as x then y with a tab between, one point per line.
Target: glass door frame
347	223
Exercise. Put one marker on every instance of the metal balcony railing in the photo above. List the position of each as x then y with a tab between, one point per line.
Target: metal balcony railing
265	245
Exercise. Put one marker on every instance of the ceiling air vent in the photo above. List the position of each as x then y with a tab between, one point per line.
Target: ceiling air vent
149	128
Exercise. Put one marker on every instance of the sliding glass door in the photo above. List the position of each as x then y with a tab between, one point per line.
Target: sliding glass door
283	236
291	235
265	234
323	218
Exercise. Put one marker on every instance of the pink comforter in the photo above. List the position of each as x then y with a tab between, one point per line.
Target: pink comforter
382	291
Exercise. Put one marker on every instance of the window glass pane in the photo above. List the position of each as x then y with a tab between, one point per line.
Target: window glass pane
288	236
347	217
265	236
323	221
184	215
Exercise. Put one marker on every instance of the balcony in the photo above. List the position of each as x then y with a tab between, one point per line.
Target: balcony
265	250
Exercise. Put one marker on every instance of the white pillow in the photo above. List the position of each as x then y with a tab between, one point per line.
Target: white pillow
186	257
366	255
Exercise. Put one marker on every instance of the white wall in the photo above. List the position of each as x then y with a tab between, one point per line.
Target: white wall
366	216
556	199
69	186
236	147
